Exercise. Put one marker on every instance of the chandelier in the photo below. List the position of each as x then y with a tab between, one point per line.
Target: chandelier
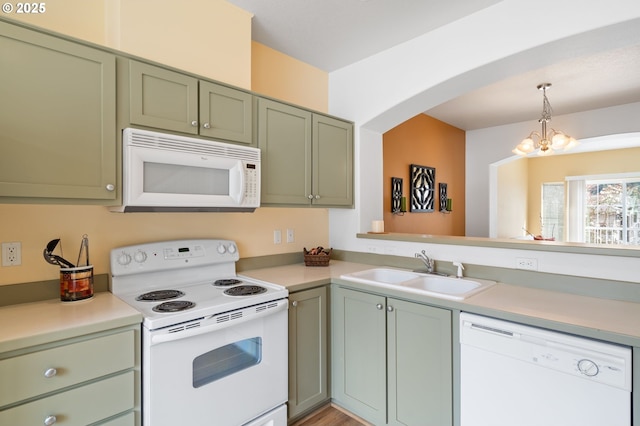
545	142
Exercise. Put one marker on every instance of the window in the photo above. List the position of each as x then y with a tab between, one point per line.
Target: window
604	210
612	211
552	218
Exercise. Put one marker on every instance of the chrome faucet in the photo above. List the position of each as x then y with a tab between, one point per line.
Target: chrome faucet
428	262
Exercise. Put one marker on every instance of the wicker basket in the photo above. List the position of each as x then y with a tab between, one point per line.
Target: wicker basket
317	259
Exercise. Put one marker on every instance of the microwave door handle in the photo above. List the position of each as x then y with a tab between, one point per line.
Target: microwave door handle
239	197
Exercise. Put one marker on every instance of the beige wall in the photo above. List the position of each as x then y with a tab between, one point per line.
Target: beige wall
283	77
512	199
425	141
208	37
555	168
211	38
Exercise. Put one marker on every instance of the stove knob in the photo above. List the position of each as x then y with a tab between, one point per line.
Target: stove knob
140	256
124	259
222	249
232	248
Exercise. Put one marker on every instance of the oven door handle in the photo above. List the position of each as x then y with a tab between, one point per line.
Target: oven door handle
217	322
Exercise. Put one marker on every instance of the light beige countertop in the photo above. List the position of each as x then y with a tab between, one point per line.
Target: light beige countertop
298	277
605	319
35	323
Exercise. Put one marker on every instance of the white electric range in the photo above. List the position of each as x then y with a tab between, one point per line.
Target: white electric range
214	345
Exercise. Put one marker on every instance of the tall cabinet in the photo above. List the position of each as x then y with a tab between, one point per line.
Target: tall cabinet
391	359
308	365
57	119
307	158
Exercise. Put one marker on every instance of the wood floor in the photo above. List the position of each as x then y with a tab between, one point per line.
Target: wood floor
328	416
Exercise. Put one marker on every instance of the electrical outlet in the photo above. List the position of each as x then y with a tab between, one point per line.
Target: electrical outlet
290	235
11	254
527	263
277	236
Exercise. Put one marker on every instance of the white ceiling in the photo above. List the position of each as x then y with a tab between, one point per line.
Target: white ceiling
331	34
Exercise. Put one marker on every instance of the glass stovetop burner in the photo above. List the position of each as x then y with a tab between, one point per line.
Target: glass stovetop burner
174	306
245	290
226	282
154	296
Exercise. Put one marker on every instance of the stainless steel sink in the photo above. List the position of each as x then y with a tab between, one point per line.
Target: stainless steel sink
427	284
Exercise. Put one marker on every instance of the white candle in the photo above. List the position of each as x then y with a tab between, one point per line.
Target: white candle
377	226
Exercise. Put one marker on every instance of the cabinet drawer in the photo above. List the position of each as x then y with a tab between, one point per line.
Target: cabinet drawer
25	376
77	407
128	419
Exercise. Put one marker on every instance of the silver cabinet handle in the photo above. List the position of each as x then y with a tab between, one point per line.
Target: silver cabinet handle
206	125
389	308
317	197
110	187
194	123
50	372
310	196
379	306
294	303
50	420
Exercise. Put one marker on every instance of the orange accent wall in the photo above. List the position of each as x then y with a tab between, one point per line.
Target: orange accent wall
425	141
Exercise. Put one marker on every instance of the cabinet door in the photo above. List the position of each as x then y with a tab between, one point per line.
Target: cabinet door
284	138
57	118
419	364
162	99
225	113
359	353
307	350
332	182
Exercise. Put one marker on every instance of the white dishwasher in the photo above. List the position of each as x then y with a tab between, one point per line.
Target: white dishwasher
511	374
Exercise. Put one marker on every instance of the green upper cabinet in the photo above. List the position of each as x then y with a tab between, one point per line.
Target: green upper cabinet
57	119
226	113
332	154
284	139
307	158
169	100
391	361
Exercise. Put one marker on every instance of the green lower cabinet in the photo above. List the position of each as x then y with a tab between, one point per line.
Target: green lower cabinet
391	359
308	352
419	382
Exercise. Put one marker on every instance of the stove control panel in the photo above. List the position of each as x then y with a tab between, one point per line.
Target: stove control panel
172	254
184	252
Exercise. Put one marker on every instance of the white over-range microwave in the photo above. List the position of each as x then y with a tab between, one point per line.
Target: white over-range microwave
169	173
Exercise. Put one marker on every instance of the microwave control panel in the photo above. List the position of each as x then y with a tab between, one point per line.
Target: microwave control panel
252	184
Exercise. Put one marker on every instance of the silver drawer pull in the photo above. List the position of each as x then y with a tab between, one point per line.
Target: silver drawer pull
379	306
50	372
50	420
294	303
194	123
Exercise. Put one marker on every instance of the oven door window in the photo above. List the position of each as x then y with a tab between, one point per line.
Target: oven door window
226	360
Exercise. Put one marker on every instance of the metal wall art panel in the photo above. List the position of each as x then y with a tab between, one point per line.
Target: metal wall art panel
422	188
396	194
443	196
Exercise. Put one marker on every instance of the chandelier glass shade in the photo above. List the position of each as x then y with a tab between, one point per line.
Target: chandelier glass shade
546	142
